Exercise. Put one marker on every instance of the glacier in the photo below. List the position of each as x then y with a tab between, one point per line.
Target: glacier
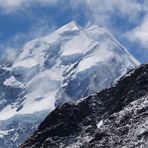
64	66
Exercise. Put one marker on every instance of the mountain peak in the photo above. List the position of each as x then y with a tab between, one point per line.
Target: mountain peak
71	26
69	64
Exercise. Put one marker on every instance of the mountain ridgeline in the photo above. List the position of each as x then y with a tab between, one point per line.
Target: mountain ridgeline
113	118
69	64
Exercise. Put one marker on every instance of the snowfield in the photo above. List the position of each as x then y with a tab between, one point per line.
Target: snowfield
69	64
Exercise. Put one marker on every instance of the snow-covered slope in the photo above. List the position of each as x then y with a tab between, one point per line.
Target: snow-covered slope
66	65
116	117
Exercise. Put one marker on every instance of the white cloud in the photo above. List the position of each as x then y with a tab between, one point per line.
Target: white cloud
101	10
10	47
10	54
139	33
9	6
124	7
41	27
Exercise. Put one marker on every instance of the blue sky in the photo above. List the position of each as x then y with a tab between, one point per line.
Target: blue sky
23	20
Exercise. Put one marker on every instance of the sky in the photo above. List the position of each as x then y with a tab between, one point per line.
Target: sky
24	20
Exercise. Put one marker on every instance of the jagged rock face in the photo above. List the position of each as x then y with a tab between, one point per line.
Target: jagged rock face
113	118
68	64
128	128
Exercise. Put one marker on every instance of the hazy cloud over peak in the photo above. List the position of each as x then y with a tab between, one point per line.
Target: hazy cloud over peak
126	19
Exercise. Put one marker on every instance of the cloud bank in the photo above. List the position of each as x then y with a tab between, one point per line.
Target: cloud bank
126	18
139	33
9	6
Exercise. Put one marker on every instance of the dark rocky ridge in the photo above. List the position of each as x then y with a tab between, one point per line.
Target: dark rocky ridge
123	109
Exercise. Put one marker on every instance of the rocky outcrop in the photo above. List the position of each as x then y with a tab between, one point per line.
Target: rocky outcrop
113	118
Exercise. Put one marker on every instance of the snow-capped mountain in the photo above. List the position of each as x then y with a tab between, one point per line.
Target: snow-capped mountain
69	64
116	117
